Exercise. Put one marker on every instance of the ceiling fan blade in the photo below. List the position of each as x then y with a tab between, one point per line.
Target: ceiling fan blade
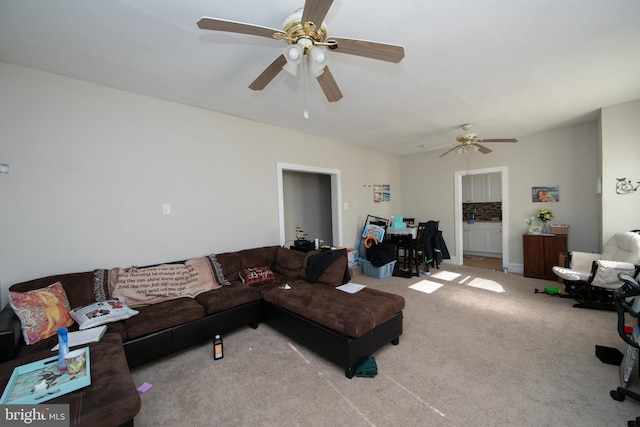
498	140
437	147
216	24
448	151
482	148
329	86
368	49
269	73
315	11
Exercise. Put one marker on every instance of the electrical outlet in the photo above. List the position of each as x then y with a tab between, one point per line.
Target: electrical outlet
166	209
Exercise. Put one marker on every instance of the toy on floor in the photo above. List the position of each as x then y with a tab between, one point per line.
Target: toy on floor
550	290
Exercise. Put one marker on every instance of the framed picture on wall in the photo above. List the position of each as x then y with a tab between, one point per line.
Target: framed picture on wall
381	193
548	194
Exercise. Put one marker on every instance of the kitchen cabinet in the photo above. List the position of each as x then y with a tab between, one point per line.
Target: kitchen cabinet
541	252
493	238
473	238
482	237
473	188
493	187
482	188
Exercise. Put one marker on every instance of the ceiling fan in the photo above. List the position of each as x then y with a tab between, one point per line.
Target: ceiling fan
306	35
470	140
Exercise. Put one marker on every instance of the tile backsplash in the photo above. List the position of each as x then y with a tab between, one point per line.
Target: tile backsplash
491	210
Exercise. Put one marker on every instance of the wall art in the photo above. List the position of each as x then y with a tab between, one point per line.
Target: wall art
546	194
381	193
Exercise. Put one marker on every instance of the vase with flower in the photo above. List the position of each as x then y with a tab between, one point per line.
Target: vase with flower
529	222
544	215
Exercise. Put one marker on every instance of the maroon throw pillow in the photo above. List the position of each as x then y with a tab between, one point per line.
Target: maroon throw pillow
255	275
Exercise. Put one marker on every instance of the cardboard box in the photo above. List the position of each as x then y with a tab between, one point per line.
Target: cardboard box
559	228
352	258
353	272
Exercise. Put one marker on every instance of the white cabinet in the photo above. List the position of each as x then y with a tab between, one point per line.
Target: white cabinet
473	189
484	237
465	189
476	239
493	187
482	188
493	238
473	237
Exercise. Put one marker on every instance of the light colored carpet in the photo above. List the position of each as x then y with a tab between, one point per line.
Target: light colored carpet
468	357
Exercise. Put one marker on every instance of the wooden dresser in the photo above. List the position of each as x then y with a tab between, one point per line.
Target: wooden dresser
541	252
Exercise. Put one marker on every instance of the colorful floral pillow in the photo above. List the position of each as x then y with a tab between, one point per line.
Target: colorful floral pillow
41	311
256	275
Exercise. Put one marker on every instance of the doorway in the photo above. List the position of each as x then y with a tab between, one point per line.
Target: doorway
458	214
333	176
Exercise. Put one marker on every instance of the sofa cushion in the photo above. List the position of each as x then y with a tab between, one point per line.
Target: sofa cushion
289	263
112	399
258	256
351	314
228	297
41	311
230	262
161	316
252	276
333	274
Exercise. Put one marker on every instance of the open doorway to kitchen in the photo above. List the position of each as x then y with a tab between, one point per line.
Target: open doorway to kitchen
482	217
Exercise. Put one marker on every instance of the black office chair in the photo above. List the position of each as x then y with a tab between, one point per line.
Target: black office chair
630	289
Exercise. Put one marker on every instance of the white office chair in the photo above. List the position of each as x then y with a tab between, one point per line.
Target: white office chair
591	278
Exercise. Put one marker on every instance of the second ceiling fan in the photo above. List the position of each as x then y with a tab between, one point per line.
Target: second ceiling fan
470	140
306	35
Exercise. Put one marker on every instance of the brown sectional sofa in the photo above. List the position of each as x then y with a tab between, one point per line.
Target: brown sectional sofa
345	328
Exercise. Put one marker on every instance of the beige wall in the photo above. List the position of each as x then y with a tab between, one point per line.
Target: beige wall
90	168
620	159
567	157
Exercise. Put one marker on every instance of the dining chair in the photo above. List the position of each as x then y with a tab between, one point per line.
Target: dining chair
414	249
403	244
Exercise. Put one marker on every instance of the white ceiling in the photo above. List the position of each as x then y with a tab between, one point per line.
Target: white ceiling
511	68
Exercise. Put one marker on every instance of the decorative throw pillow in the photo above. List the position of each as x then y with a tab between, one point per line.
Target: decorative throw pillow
256	275
102	312
41	311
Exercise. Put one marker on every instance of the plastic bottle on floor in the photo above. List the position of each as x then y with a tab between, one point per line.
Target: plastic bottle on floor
217	348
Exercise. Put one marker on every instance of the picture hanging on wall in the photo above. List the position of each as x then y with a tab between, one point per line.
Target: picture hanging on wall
546	194
381	193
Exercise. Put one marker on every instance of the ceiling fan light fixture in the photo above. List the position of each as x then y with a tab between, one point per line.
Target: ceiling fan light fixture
317	61
317	55
293	54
